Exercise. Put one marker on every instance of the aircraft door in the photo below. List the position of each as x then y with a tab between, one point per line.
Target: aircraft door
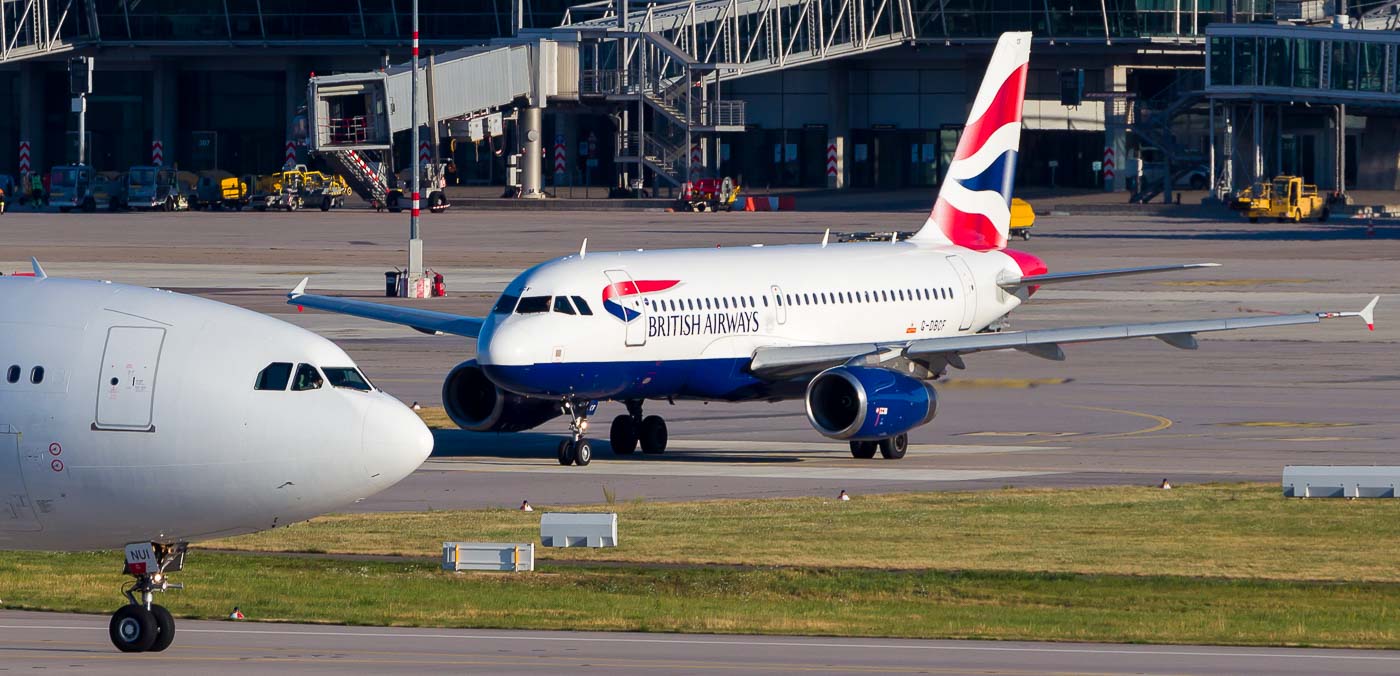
126	391
624	300
780	309
16	512
969	291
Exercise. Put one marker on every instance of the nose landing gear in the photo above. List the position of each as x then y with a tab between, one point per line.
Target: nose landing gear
577	450
631	429
143	626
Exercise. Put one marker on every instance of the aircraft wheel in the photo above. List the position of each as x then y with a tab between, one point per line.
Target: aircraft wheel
623	435
165	628
652	434
325	204
583	452
893	448
864	450
566	452
133	629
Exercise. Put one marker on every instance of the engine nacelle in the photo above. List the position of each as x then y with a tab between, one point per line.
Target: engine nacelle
477	404
866	404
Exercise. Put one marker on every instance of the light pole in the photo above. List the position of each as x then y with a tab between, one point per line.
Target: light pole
415	241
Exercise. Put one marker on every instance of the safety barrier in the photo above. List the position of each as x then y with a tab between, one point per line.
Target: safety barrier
783	203
565	529
1331	481
509	556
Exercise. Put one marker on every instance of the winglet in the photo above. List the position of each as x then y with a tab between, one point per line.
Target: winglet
38	269
583	249
1368	313
826	237
301	288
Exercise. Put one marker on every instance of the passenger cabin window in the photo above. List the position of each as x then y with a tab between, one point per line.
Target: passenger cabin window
561	305
12	375
530	305
505	305
274	377
582	305
347	377
36	375
307	378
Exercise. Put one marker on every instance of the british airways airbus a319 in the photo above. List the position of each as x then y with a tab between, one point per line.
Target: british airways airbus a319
858	330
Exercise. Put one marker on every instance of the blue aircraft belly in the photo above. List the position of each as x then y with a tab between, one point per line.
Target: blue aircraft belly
722	379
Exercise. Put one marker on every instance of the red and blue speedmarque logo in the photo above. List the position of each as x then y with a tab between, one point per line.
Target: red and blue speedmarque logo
631	288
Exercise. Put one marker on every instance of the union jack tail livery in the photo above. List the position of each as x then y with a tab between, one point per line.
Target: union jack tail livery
974	204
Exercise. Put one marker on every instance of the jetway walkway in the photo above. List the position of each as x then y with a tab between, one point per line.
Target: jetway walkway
660	67
32	28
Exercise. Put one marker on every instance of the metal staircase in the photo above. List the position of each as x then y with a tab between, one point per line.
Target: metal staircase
30	28
366	175
672	57
1152	121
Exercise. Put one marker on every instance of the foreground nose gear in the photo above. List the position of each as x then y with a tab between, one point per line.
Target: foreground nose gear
576	451
143	626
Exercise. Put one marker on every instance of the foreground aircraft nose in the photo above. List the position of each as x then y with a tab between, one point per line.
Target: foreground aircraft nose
395	439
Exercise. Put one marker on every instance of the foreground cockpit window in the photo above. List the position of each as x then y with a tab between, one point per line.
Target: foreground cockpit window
532	305
505	305
347	377
274	377
562	306
582	305
307	378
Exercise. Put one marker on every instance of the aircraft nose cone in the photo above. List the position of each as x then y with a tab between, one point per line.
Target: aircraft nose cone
395	440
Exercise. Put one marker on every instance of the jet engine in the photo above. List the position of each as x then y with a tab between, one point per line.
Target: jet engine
477	404
867	404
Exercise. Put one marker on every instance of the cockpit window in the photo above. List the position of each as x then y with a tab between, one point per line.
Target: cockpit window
274	377
532	305
346	376
307	378
506	304
562	306
582	305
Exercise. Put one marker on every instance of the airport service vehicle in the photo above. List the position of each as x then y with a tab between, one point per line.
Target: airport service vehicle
432	185
282	190
221	190
710	194
1291	200
156	189
327	191
856	330
71	187
109	190
1022	219
143	419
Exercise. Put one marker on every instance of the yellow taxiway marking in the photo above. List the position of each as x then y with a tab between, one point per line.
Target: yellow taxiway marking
1004	383
1019	434
1161	422
1285	423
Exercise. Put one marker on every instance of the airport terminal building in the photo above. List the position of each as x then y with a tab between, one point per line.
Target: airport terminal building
779	93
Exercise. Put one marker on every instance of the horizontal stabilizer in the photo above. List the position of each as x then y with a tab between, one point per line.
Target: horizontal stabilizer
1057	277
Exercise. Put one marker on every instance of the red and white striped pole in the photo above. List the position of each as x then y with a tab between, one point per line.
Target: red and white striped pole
24	161
289	155
415	243
157	153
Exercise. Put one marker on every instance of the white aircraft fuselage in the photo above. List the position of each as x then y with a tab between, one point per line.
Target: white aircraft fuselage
686	322
129	414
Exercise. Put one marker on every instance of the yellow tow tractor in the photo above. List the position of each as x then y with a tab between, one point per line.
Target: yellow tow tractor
1286	198
281	190
1022	218
327	191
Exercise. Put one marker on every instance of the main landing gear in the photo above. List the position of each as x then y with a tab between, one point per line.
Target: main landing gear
576	450
142	626
631	430
891	448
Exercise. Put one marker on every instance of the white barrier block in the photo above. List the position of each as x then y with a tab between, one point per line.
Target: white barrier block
1336	481
509	556
565	529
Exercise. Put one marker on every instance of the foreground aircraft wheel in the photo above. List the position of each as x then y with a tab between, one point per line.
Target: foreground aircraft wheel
566	452
864	450
653	434
325	204
165	628
583	452
893	448
133	629
623	435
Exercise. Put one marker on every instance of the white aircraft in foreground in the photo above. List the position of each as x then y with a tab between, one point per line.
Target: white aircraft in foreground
145	419
856	329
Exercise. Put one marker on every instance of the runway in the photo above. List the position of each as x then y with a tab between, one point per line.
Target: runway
78	643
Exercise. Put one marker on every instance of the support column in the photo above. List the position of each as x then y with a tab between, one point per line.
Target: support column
1341	142
531	131
1257	124
566	130
1115	135
298	73
838	105
1228	166
1210	161
164	104
31	115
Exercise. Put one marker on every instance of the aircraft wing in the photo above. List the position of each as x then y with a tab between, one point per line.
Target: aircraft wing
788	362
427	321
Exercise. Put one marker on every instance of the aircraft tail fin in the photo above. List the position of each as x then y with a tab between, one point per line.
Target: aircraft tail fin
974	203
